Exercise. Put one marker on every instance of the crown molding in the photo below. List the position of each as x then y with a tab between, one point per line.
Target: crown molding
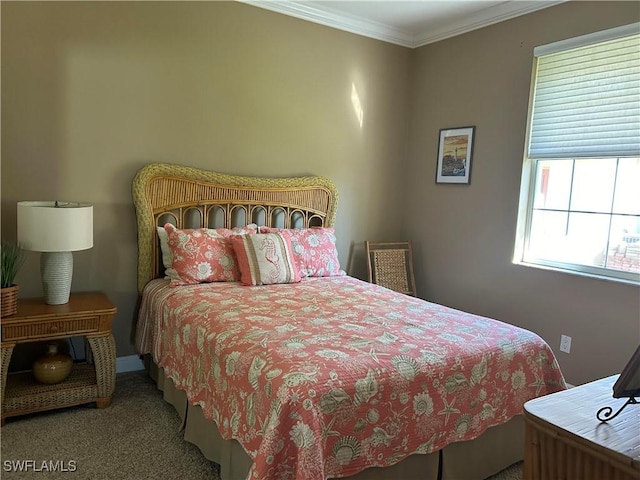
490	16
337	20
387	33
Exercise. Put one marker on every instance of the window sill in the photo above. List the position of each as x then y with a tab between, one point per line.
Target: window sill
577	273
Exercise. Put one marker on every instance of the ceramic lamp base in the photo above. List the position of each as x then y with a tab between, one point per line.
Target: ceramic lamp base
56	269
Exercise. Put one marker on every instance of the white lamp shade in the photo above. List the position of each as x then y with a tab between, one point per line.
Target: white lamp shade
55	226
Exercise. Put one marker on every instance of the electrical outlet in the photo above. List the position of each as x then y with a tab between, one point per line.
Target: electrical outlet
565	344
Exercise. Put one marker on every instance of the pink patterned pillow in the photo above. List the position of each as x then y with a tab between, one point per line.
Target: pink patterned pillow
222	232
228	232
314	250
265	259
200	255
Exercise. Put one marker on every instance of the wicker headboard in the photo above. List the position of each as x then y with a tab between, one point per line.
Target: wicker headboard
190	198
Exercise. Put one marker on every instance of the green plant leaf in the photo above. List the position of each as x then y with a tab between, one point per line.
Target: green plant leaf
13	256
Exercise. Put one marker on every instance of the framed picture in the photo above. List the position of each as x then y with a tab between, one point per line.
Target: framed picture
628	383
455	150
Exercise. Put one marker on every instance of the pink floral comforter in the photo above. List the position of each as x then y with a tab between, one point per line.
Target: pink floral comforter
329	376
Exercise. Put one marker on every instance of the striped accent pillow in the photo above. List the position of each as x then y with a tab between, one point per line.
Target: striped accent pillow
265	259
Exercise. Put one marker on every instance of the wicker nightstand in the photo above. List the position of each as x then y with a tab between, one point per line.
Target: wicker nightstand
564	439
88	315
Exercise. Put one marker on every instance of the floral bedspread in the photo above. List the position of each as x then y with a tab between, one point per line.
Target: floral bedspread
329	376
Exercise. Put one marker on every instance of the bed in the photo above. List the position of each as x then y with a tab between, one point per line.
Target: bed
308	373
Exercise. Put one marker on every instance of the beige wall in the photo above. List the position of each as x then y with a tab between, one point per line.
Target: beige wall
465	234
93	91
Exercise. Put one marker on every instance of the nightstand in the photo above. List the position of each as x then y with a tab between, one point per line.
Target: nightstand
87	314
564	439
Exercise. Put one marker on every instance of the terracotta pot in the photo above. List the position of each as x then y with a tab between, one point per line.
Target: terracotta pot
53	366
9	301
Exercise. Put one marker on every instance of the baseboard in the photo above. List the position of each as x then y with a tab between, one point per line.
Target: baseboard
130	363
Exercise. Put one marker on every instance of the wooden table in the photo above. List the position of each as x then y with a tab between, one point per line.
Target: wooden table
87	314
565	440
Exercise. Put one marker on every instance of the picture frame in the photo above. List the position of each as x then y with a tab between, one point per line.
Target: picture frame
628	383
455	154
626	386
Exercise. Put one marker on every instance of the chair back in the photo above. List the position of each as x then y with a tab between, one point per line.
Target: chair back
390	264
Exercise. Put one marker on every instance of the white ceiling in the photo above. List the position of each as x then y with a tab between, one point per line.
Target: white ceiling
407	23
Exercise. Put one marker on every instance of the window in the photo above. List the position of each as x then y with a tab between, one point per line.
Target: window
580	194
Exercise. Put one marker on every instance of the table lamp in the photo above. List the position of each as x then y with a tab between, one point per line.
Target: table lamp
56	229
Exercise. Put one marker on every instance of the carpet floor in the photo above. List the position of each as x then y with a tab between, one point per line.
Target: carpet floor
137	437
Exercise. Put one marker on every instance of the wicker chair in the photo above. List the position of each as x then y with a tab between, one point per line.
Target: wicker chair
391	265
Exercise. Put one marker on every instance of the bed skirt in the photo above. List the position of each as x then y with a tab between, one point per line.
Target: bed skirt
498	448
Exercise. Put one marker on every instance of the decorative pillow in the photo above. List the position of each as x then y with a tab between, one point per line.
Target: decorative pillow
222	232
314	250
200	255
265	259
228	232
164	247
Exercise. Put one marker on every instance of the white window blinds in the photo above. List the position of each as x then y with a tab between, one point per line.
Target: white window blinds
587	100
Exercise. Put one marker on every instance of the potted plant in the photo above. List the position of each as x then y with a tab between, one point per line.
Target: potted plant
12	259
